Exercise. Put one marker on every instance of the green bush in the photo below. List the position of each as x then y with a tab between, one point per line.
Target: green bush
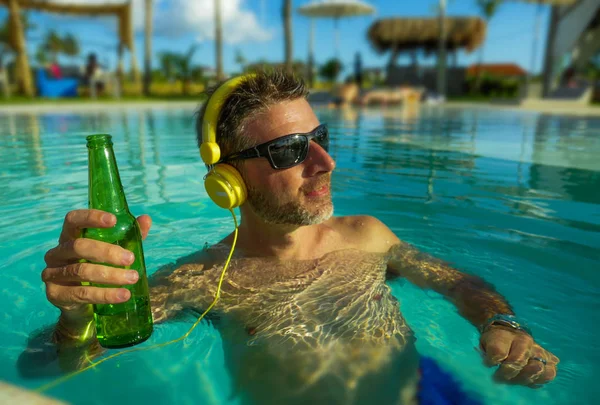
493	86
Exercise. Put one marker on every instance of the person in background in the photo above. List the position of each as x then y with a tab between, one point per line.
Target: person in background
54	70
93	75
358	70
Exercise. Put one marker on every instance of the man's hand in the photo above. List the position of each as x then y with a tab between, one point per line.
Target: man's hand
64	273
521	360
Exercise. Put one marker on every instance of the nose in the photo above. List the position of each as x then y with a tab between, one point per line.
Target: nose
318	161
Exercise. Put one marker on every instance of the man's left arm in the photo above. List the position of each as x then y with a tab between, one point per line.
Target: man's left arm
503	342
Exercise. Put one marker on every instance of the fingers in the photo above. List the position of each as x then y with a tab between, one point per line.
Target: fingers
547	375
530	373
496	343
517	359
88	272
536	372
145	223
88	249
77	220
64	296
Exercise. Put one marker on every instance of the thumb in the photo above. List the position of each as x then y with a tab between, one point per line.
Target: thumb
145	223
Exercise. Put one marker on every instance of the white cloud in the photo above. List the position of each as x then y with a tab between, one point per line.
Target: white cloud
173	18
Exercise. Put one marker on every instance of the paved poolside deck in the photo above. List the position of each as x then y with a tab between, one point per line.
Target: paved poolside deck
561	108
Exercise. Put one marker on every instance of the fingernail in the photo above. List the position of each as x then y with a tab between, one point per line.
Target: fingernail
108	219
128	257
123	295
132	276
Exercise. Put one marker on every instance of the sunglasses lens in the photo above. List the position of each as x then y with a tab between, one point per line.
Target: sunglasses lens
322	138
288	151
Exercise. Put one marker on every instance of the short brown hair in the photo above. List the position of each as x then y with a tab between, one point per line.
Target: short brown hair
251	97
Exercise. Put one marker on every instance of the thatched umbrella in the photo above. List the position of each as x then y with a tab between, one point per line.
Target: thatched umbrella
405	34
335	9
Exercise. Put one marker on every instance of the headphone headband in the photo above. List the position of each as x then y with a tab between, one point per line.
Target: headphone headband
209	150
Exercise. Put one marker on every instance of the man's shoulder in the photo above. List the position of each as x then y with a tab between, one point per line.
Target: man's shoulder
366	232
358	222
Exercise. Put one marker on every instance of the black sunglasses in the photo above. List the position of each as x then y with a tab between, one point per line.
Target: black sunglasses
286	151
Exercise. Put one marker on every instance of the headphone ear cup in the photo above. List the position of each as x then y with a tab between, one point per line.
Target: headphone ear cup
225	186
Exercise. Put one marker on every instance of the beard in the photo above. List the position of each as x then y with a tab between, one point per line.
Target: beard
273	211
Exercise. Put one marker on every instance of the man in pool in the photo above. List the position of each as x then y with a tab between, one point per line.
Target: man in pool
305	313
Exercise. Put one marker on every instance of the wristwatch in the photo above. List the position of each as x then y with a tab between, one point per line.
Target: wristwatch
506	320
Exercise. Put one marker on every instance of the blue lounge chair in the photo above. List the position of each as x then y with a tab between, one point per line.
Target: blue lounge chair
55	88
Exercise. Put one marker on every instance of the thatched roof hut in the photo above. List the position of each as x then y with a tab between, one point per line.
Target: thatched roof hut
405	34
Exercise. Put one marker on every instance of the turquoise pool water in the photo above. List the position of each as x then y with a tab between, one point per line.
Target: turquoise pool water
511	196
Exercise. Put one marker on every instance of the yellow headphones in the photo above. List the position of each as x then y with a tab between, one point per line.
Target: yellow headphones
223	183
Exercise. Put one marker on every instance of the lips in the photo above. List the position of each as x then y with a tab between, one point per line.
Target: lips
324	190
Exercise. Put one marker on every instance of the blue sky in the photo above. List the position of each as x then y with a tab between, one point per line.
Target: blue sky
254	27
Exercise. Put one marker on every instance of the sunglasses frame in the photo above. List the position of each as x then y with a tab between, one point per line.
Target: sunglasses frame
263	150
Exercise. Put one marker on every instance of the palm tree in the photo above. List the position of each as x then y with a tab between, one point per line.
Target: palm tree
240	60
219	40
41	57
53	44
178	65
168	64
488	8
184	67
70	46
286	13
147	46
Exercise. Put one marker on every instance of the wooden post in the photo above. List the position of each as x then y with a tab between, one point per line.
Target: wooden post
441	56
23	72
120	69
219	41
135	70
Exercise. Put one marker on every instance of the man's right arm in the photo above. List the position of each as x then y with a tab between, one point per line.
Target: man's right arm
172	287
75	332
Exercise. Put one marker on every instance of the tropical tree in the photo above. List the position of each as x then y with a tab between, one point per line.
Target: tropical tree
41	57
147	46
184	67
70	46
488	8
178	65
168	64
240	60
331	70
219	40
286	13
53	44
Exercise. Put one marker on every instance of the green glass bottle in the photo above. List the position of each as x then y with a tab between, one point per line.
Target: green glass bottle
128	323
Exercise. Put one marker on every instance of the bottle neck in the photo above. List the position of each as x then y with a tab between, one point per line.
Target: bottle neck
105	188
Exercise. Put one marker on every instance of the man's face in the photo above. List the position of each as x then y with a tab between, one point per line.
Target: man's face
300	195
